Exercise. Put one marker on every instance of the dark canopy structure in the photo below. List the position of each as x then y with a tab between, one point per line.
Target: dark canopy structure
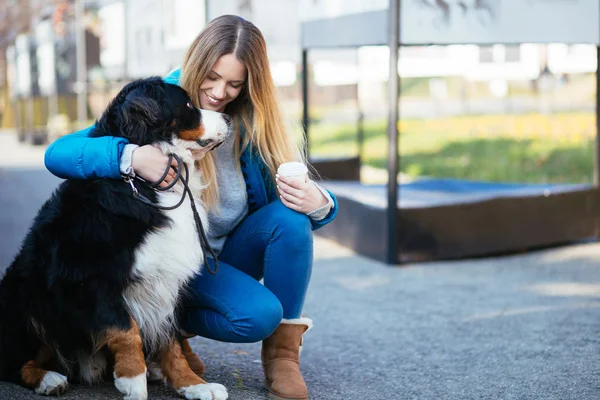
429	220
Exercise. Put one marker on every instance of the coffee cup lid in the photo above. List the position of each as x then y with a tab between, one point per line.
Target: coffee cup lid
292	168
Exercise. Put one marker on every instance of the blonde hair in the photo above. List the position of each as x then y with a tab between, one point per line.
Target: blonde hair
256	108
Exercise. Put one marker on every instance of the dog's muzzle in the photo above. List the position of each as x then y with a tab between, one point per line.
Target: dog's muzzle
208	142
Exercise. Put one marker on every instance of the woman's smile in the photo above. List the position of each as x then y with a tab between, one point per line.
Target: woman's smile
214	102
223	84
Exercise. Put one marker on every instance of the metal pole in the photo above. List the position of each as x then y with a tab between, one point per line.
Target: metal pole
19	120
360	125
52	104
393	94
53	110
81	74
305	115
597	152
206	12
360	136
30	118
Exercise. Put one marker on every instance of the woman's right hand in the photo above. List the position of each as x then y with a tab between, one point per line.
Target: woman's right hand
150	163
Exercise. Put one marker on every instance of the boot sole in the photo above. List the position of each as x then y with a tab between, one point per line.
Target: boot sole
274	396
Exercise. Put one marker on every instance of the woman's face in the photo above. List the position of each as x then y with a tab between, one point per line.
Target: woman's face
223	84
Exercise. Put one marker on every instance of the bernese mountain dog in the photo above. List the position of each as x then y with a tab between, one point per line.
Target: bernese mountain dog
100	273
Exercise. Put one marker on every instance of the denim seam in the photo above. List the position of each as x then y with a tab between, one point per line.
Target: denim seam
228	314
267	257
207	325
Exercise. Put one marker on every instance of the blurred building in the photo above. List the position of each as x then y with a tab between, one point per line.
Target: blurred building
123	40
16	16
129	39
347	76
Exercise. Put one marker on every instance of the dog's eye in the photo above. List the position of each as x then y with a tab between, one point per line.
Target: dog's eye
189	105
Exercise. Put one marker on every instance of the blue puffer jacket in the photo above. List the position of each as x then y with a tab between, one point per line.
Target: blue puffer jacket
77	156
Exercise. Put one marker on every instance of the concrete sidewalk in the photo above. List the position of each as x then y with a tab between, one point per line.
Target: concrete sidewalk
16	154
520	327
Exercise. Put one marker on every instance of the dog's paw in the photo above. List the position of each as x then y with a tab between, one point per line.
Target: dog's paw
133	388
204	391
53	384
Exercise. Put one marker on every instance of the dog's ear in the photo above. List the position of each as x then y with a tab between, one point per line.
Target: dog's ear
138	106
141	116
137	113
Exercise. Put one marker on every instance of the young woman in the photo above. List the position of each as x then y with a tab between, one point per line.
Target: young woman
260	224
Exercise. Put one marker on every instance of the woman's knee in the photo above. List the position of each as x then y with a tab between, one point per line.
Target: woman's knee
261	321
292	225
252	323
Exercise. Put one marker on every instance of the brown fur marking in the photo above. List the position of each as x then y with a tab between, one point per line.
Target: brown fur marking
33	372
192	134
192	358
176	369
127	349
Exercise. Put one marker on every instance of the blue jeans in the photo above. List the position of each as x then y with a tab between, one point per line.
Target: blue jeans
274	243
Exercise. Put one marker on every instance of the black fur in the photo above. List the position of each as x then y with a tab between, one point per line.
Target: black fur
77	258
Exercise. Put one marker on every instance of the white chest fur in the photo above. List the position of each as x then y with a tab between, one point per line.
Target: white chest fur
164	262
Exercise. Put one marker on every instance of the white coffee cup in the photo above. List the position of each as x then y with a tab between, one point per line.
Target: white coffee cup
293	169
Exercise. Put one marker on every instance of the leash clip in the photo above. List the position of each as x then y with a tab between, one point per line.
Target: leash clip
133	188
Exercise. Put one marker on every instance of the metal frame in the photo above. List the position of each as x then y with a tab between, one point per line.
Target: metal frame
352	31
597	152
393	150
305	112
366	37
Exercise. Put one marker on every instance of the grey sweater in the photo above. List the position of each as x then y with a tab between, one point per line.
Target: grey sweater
233	205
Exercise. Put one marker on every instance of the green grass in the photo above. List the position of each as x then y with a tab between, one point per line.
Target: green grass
580	87
488	151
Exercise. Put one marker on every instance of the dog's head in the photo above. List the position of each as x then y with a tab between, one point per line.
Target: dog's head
150	111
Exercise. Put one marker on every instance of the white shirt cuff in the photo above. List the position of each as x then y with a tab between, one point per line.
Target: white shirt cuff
321	212
126	158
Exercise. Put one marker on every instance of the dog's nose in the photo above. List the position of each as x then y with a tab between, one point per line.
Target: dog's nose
204	142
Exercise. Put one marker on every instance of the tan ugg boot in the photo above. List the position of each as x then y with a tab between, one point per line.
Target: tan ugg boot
281	358
193	360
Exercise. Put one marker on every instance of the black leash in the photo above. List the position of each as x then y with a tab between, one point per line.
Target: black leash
199	228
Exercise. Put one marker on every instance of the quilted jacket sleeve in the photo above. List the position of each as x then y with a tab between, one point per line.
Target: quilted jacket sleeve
78	156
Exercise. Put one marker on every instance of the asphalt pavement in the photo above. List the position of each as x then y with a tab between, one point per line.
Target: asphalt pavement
516	327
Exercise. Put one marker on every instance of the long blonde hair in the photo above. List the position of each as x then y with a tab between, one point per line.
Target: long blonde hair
256	108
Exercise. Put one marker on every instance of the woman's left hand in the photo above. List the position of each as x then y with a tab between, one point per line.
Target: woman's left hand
301	196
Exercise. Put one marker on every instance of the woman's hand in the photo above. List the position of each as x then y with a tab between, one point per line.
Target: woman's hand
150	163
300	196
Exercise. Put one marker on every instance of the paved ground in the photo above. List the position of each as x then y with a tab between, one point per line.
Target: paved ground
520	327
